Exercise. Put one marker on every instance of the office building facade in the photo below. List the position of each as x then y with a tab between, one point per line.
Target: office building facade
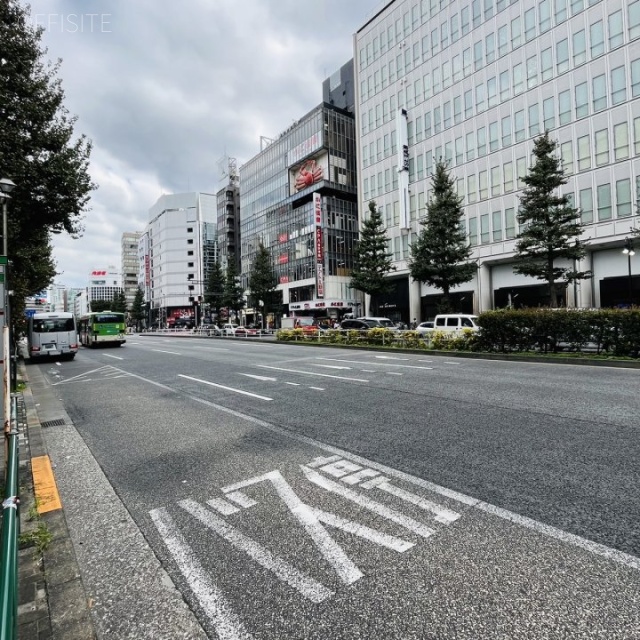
475	82
130	265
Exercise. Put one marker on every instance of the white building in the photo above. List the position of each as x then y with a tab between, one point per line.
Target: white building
104	284
129	258
171	252
475	82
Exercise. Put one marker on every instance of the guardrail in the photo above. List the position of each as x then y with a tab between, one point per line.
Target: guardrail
10	531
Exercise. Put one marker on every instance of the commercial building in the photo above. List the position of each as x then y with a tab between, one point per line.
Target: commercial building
104	284
298	197
475	82
228	203
178	242
130	266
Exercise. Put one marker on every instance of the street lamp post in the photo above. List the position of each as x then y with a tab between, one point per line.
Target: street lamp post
628	250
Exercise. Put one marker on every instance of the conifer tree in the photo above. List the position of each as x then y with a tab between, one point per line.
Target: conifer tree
214	294
119	302
372	260
233	297
263	281
137	308
549	226
439	257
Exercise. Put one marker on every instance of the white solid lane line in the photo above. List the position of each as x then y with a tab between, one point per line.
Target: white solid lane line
312	373
173	353
221	386
380	364
107	355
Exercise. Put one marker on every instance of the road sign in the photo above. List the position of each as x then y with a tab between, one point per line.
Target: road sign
30	313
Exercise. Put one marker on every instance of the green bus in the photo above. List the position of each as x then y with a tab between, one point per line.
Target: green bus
102	328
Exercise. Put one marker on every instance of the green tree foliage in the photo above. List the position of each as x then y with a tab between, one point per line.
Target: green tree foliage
372	259
119	302
101	305
439	257
549	226
263	282
137	308
39	152
233	297
214	294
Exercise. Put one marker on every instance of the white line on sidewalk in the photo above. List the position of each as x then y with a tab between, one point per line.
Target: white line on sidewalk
221	386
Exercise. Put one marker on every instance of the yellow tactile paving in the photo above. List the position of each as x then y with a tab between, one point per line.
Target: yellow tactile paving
45	486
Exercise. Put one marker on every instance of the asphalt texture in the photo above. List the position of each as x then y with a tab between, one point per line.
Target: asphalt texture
295	492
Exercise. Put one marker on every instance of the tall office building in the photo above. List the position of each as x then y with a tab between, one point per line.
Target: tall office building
298	198
104	284
475	82
129	258
178	241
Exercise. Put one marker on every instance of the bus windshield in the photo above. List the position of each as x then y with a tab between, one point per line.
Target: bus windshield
104	318
53	325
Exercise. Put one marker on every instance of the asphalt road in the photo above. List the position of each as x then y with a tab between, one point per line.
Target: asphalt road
298	492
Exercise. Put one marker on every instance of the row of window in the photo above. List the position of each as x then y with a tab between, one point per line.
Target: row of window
450	29
559	110
490	48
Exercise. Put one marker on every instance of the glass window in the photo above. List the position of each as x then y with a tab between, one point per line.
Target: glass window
471	188
636	138
600	92
508	176
544	15
518	120
454	28
444	35
496	181
505	126
616	36
493	136
534	119
602	147
579	47
584	153
466	61
476	12
546	64
586	205
477	55
457	109
529	24
482	141
437	120
496	220
604	202
521	171
488	9
621	141
446	114
464	20
428	163
510	223
436	80
566	155
484	228
468	103
517	78
473	231
623	198
427	124
618	85
503	40
596	33
562	55
470	144
582	100
459	146
635	78
634	20
548	113
532	71
480	97
561	11
492	92
490	47
504	85
564	106
577	6
456	65
516	32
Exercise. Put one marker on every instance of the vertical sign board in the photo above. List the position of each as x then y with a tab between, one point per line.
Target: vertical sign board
4	346
403	167
317	226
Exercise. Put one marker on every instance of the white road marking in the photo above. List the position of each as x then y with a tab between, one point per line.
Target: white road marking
240	498
249	375
317	388
367	503
302	583
221	386
452	362
444	515
222	506
327	546
394	373
106	367
367	370
382	364
373	535
614	555
108	355
329	366
425	360
390	358
313	373
340	468
318	462
214	605
293	384
359	476
173	353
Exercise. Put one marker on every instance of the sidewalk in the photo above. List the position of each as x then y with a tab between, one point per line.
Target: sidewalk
52	602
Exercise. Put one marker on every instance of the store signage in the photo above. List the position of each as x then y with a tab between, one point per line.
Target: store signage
282	237
321	304
305	148
98	273
317	218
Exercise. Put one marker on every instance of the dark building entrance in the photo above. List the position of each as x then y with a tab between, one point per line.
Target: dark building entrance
529	296
393	305
620	291
461	302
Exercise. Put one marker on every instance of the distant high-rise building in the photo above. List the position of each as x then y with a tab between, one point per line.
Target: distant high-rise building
130	265
104	284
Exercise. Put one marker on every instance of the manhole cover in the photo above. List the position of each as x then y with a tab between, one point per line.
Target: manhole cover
53	423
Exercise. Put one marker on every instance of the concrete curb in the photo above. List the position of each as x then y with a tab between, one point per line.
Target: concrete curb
53	602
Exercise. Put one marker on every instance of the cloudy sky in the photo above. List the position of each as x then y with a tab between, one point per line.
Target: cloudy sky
165	90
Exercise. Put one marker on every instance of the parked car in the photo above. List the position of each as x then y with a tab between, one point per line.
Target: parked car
353	324
455	322
229	329
425	327
379	323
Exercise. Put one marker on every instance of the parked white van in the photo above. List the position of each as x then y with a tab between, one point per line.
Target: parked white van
455	322
52	334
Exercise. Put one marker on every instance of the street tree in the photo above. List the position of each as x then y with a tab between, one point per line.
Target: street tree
137	308
214	293
40	152
119	302
263	282
372	260
101	305
233	297
440	255
550	227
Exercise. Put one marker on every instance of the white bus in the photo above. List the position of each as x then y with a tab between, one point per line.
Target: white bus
52	334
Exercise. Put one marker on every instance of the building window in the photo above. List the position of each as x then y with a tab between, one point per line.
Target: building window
604	202
521	170
532	71
494	143
503	40
596	33
516	32
517	78
623	198
484	228
579	48
189	229
482	141
504	85
602	147
600	92
634	20
505	125
529	24
508	176
468	103
470	145
548	113
534	120
471	188
483	179
496	181
636	136
577	6
546	64
566	154
564	107
518	120
582	100
584	155
190	241
621	141
586	205
561	11
562	56
496	223
544	15
616	36
618	85
477	55
473	231
510	223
